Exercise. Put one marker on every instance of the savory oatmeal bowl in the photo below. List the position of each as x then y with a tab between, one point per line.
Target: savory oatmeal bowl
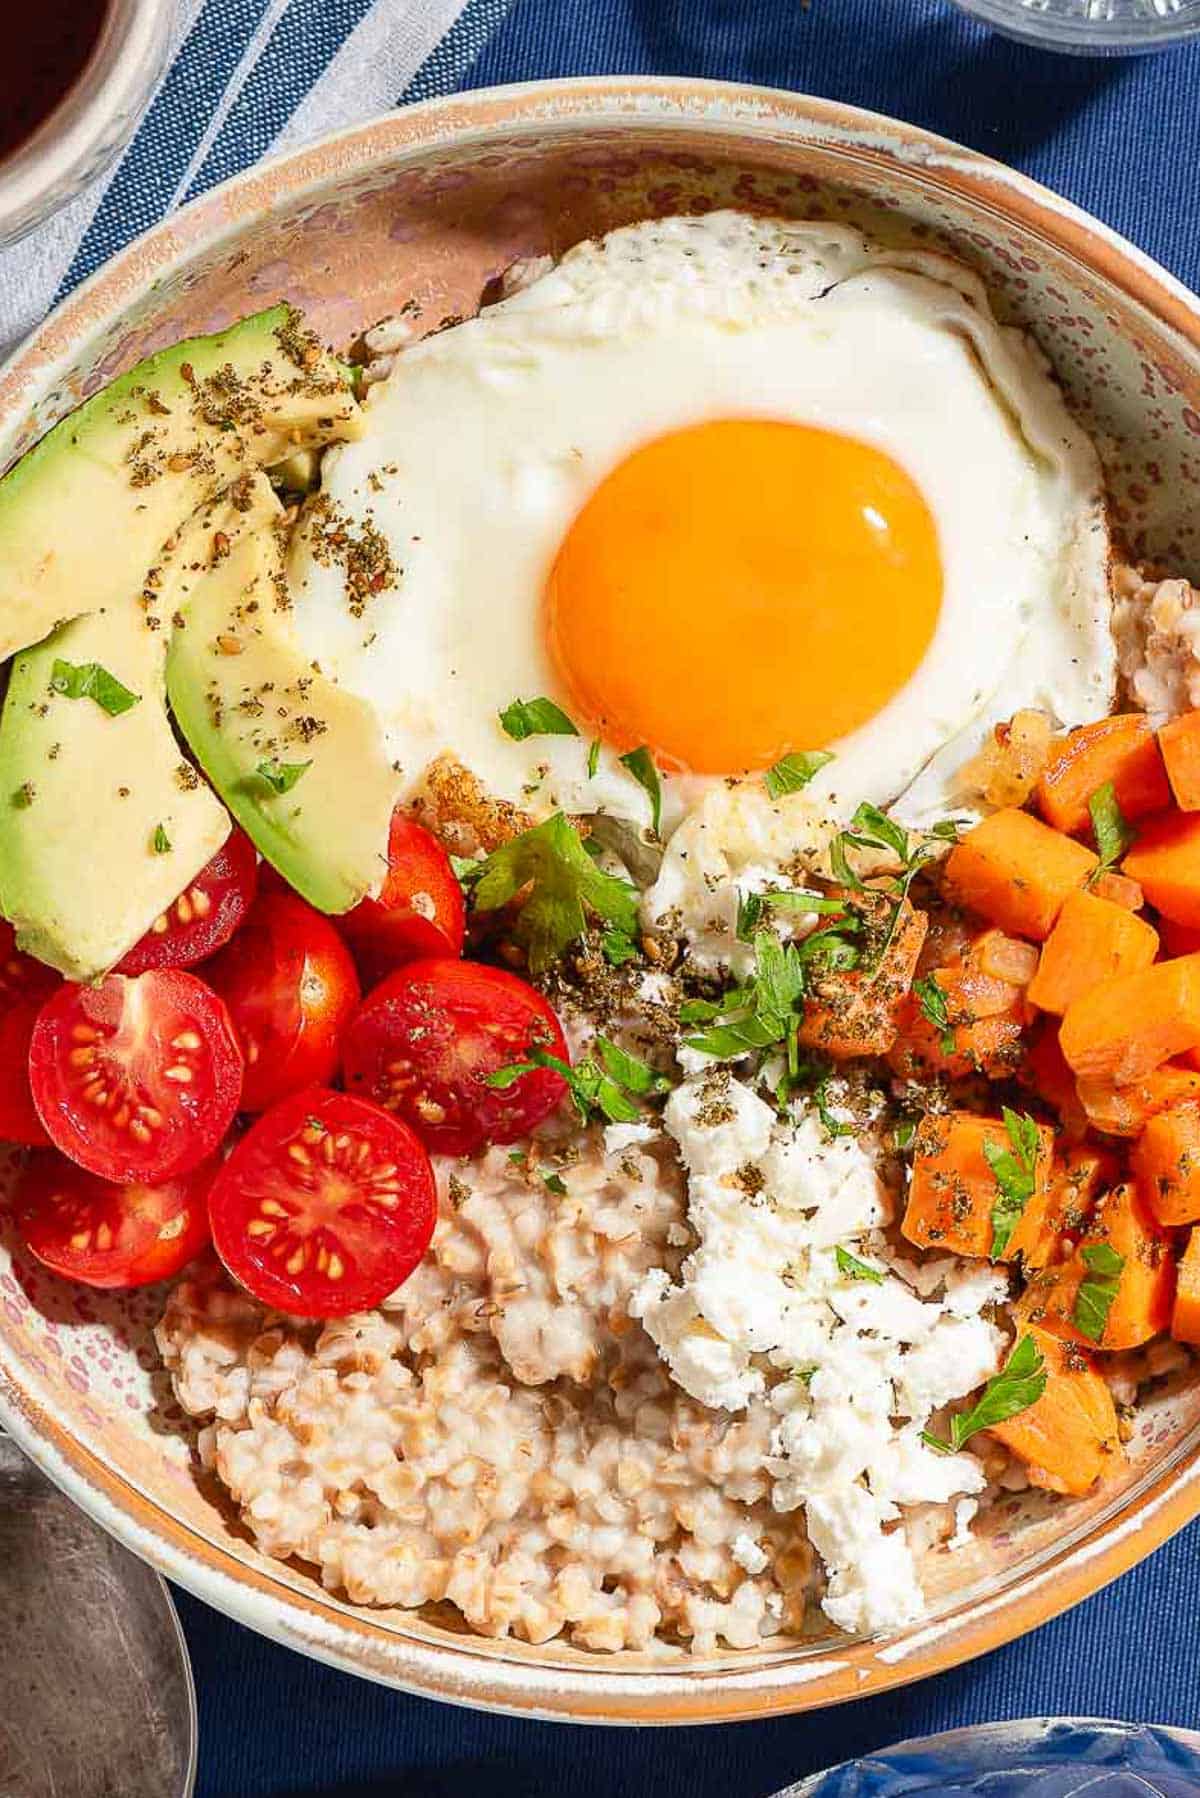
598	831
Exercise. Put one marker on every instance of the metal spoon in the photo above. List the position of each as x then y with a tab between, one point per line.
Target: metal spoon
96	1696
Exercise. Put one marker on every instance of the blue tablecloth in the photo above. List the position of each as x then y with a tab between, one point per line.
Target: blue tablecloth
1122	139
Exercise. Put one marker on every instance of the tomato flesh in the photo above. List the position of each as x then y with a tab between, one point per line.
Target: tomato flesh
136	1079
424	1043
419	912
205	915
325	1206
290	986
110	1235
25	985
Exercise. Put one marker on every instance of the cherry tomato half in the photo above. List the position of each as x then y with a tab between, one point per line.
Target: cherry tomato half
325	1206
290	985
25	985
136	1080
421	910
111	1235
203	917
423	1044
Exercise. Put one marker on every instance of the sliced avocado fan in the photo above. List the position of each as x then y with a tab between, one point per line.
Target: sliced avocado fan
86	511
103	822
299	761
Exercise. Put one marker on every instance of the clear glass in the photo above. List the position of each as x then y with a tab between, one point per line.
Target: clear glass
1091	27
1039	1757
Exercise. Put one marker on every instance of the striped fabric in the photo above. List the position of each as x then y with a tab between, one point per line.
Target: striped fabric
247	77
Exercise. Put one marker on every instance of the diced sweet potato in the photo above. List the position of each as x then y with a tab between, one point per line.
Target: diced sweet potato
1093	940
1165	861
1077	1174
983	989
1124	1028
857	1013
1140	1308
1068	1439
1016	872
1121	749
1126	1110
1166	1161
954	1188
1185	1318
1179	939
1179	742
1046	1071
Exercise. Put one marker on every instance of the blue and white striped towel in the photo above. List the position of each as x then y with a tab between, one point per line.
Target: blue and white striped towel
246	77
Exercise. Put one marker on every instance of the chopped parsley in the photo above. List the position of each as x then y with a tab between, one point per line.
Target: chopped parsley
600	1084
854	1269
566	888
753	907
873	830
765	1011
618	948
793	772
160	842
1097	1290
932	1001
554	1183
88	680
947	829
640	764
1019	1384
593	761
535	718
831	1125
1114	835
902	1135
1015	1172
281	777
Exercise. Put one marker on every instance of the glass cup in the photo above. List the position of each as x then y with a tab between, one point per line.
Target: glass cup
1091	27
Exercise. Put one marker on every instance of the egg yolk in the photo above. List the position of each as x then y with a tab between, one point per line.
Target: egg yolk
740	589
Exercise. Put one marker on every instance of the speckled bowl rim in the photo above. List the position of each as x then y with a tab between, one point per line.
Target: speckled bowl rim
470	1671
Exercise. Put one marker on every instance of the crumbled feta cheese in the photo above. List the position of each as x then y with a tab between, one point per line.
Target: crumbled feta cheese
769	1202
748	1553
620	1138
965	1512
737	840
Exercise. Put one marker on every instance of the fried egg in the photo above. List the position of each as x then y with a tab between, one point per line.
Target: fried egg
725	487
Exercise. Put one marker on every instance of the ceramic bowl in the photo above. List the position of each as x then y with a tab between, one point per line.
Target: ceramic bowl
428	205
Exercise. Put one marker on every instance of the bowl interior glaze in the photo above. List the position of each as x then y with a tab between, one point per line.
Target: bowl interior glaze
428	206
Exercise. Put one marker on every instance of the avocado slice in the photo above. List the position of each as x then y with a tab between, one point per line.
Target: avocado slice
86	511
103	822
299	761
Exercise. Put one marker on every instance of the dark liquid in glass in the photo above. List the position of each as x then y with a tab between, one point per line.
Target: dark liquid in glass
47	44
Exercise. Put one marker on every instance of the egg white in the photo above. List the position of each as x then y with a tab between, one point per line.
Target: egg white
485	440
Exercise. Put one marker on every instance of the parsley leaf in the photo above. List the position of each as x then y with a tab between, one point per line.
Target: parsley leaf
932	1001
566	888
902	1135
593	761
753	908
535	718
1114	836
618	948
1019	1384
1014	1169
160	842
281	777
872	829
947	829
554	1183
640	764
854	1269
1094	1299
599	1084
88	680
793	772
766	1011
830	1124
